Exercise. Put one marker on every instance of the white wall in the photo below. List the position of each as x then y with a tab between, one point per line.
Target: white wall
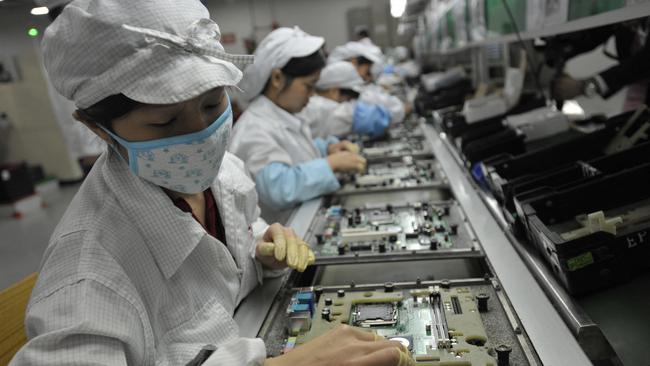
325	18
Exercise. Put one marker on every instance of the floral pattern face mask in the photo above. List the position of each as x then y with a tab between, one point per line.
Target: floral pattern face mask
186	163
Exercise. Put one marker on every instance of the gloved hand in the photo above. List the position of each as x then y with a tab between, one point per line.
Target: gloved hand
344	145
346	345
565	87
345	161
280	248
369	119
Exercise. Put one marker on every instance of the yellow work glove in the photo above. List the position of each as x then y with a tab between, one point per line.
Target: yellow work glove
280	248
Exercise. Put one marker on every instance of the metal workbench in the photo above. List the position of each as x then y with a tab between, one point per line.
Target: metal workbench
611	326
558	328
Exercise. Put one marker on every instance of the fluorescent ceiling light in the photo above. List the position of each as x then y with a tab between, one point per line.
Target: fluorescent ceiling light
41	10
397	8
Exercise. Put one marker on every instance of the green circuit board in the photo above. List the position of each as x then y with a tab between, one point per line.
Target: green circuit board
387	229
406	146
439	326
408	173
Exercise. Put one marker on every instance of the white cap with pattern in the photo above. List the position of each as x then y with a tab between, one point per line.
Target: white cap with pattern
156	52
340	74
274	52
354	49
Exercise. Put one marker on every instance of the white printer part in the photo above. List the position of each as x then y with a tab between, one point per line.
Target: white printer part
496	104
635	129
539	123
514	85
482	108
435	81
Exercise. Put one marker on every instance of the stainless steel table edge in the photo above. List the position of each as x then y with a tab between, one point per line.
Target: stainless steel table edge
251	313
553	340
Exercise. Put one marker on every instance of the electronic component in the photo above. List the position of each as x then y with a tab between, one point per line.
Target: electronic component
592	233
408	129
372	315
493	105
482	300
539	123
596	221
384	229
435	81
439	326
633	131
503	354
300	312
408	173
396	149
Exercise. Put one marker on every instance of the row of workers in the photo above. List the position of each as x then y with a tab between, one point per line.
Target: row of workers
287	137
163	240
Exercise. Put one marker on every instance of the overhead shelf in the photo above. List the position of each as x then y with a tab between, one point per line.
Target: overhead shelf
450	27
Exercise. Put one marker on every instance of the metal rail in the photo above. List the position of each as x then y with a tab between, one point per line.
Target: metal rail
553	340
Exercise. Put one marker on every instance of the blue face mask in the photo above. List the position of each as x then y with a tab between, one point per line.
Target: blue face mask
186	163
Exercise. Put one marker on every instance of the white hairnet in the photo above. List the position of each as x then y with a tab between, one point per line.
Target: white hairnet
401	53
354	49
159	52
274	52
341	74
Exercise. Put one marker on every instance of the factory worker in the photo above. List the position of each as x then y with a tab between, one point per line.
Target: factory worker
335	110
288	165
360	54
405	66
363	57
163	240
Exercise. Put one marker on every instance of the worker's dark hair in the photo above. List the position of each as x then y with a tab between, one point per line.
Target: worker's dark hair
363	61
363	33
108	109
349	93
301	66
55	11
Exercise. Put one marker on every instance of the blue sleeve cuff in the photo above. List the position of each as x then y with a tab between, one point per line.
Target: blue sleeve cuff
368	119
281	186
332	140
322	144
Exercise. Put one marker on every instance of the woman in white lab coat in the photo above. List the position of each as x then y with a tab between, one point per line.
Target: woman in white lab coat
335	108
288	165
163	239
364	56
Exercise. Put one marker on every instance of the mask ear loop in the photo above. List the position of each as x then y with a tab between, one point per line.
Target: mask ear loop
113	144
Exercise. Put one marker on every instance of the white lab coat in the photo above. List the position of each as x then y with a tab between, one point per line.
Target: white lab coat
80	141
327	117
128	278
266	133
375	94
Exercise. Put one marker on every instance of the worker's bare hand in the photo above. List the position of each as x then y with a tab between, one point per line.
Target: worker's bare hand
280	248
346	346
408	108
344	145
345	161
565	87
